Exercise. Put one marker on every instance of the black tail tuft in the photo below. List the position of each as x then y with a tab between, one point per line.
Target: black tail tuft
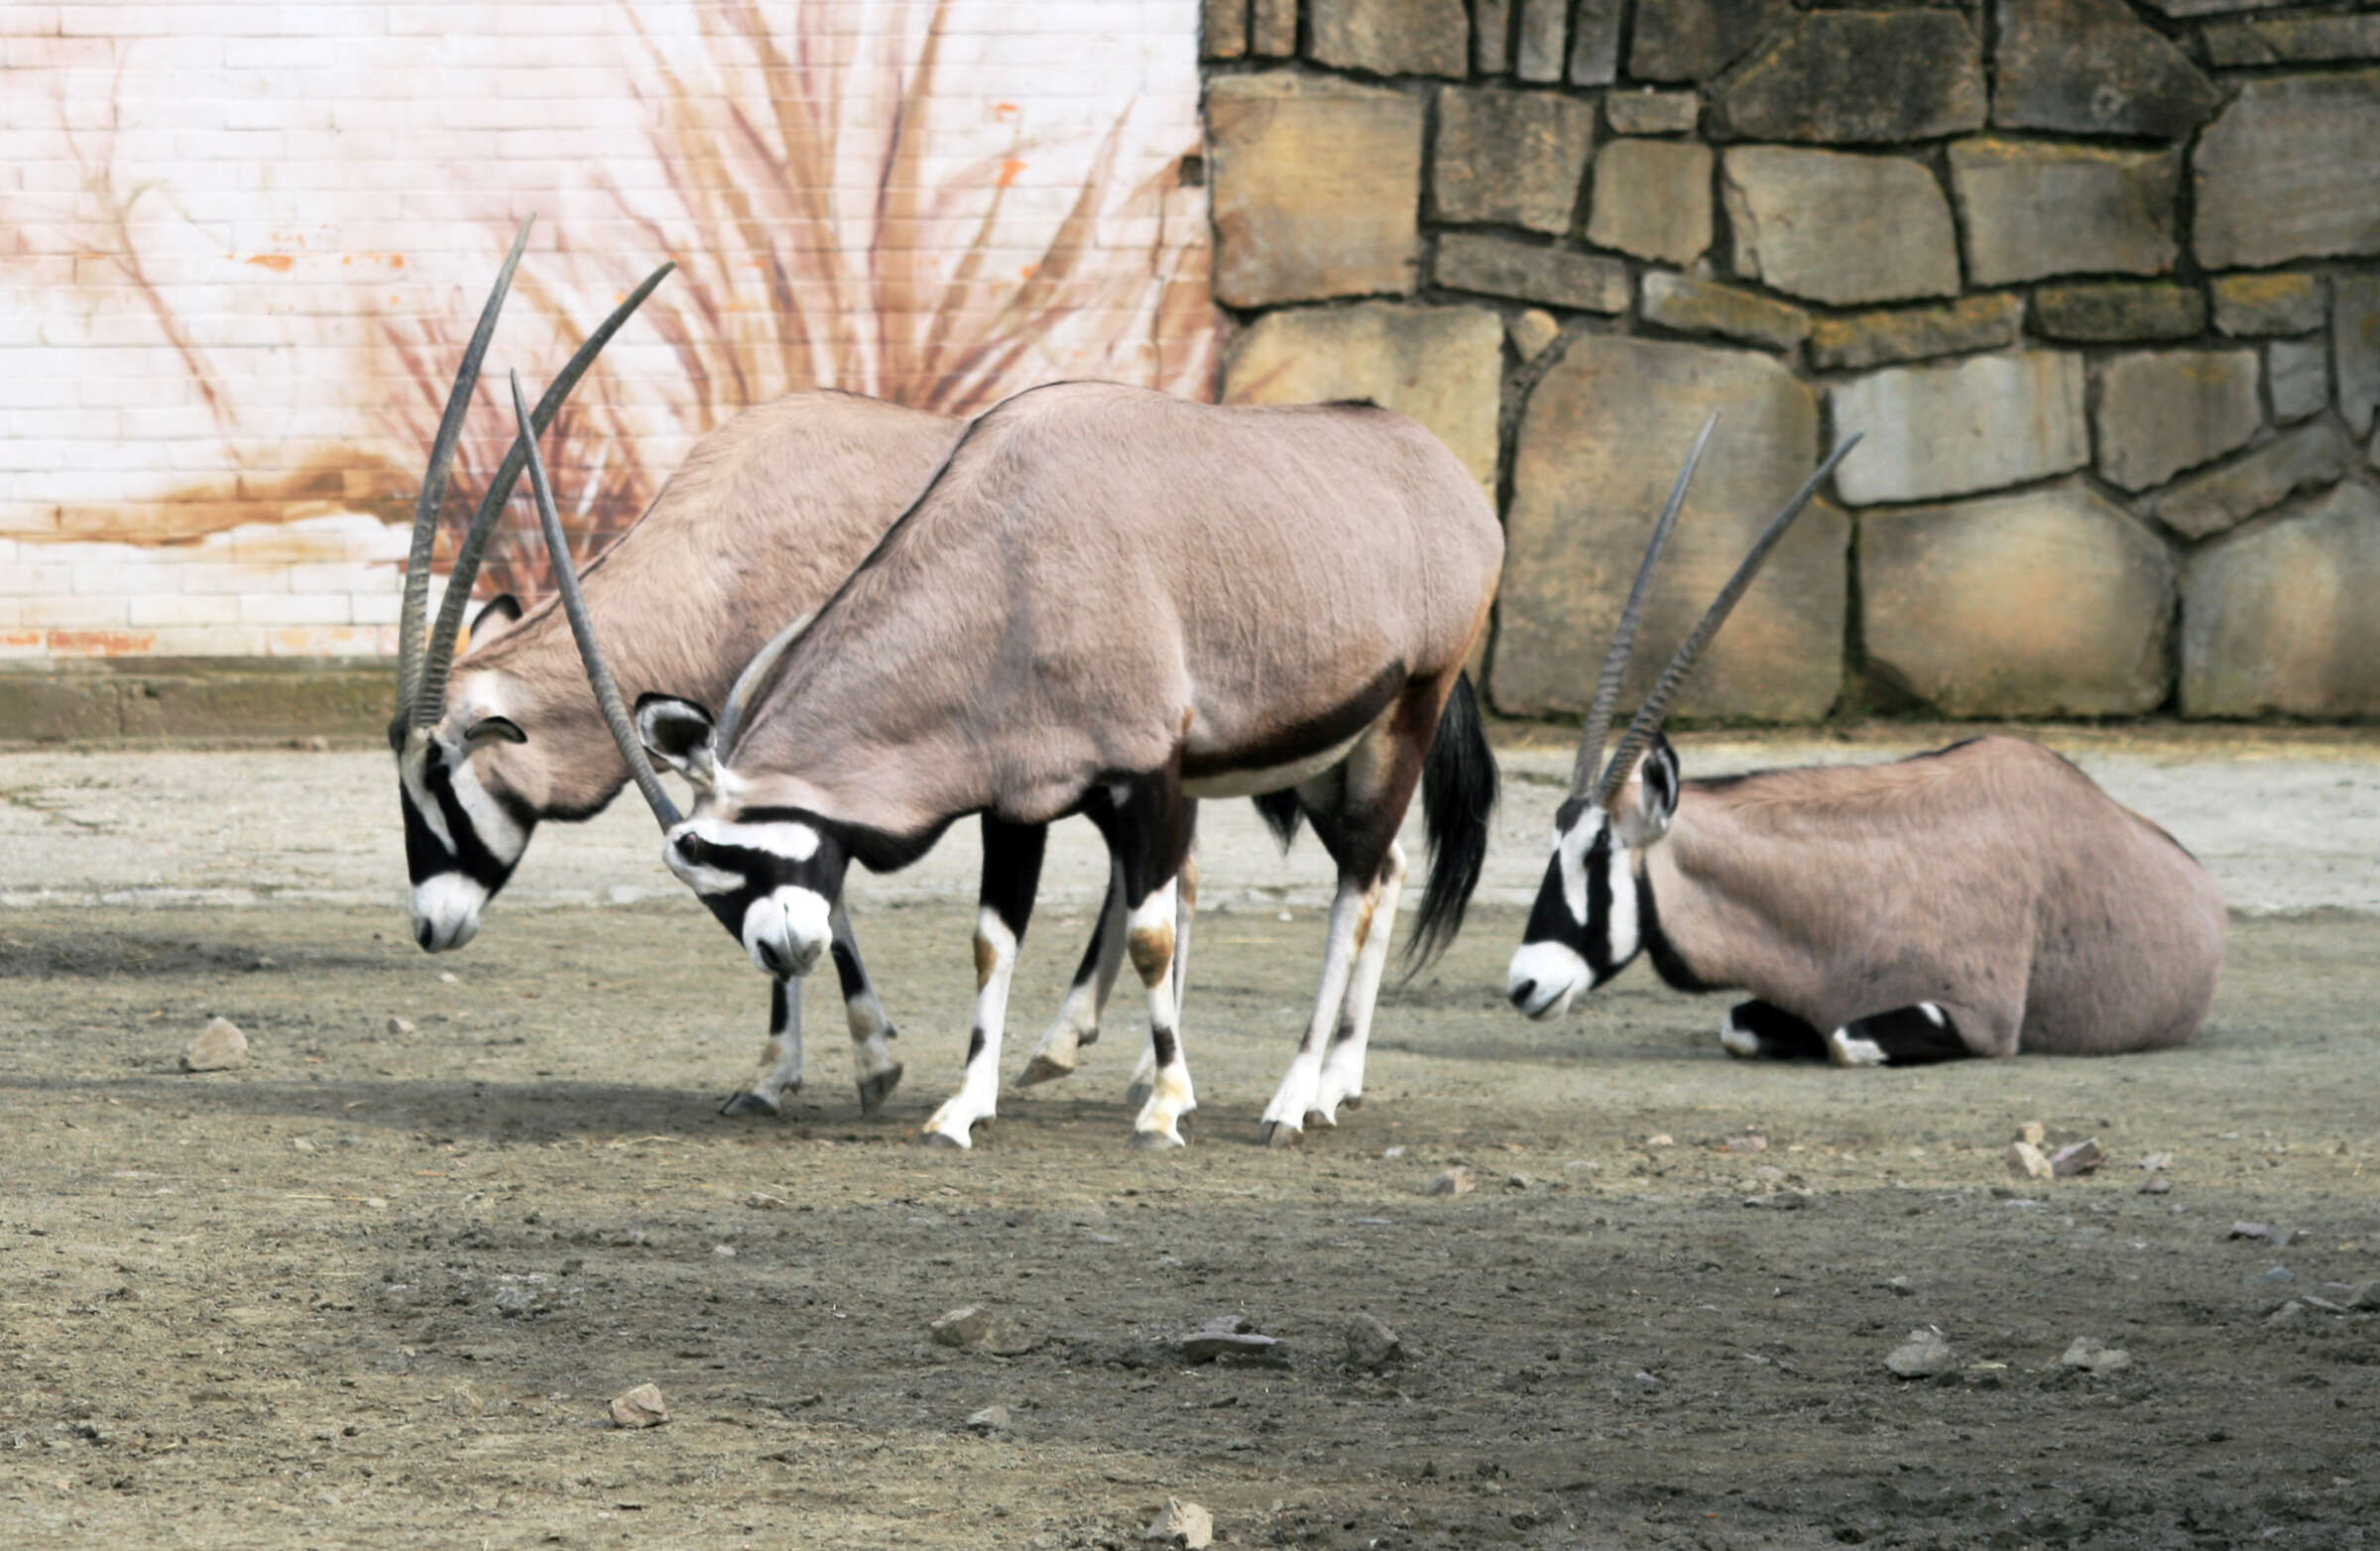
1458	794
1281	814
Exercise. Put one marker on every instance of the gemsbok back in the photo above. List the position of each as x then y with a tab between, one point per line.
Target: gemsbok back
1979	899
768	514
1110	602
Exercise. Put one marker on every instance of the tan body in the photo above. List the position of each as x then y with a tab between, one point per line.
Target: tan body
1992	879
768	514
1118	577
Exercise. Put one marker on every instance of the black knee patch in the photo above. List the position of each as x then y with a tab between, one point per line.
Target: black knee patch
1912	1035
1782	1035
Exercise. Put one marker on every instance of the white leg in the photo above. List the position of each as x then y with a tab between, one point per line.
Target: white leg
1185	909
873	1065
1285	1117
780	1056
1077	1023
1150	936
953	1125
1343	1064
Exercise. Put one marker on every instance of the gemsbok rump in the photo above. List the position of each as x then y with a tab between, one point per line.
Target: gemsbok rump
1979	899
1110	602
769	512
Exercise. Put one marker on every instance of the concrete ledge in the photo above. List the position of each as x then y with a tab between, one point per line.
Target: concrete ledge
195	701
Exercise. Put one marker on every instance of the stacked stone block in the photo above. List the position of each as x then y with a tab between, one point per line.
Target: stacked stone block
2098	282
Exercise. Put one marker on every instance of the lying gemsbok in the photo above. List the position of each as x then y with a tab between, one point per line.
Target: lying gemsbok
1976	900
767	515
1110	602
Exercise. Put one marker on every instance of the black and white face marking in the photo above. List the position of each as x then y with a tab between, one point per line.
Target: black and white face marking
1582	928
770	875
463	836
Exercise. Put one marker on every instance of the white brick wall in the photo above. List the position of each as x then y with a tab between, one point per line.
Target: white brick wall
225	226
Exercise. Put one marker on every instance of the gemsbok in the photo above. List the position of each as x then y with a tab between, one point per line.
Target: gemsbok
769	512
1110	602
1978	900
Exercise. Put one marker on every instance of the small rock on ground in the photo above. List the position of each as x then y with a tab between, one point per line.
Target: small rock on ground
2079	1157
2093	1356
2363	1295
2258	1231
977	1326
642	1406
1453	1182
1744	1145
1371	1345
2156	1185
1216	1346
1181	1523
400	1026
1922	1356
2026	1162
762	1201
1660	1138
219	1047
990	1420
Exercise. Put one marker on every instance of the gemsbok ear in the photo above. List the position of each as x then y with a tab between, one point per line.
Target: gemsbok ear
502	728
677	733
495	615
1644	820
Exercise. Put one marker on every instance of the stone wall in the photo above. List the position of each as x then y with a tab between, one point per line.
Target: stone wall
2099	281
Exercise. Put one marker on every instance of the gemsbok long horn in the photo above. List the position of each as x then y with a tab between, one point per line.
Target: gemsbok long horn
431	699
582	629
1647	719
1624	637
413	620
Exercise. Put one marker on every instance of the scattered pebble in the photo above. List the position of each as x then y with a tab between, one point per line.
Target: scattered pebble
1780	1200
400	1026
642	1406
2251	1230
1922	1356
219	1047
465	1402
2026	1162
990	1420
1518	1182
300	1144
1371	1345
449	976
1392	1152
2033	1134
1901	1287
1234	1338
2288	1316
1769	1172
1181	1523
2156	1185
2364	1295
2075	1159
1660	1138
762	1201
725	1251
2325	1304
2272	1275
2094	1356
1455	1181
1744	1145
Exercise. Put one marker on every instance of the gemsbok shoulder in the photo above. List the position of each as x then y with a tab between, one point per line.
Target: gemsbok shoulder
768	514
1980	900
1110	602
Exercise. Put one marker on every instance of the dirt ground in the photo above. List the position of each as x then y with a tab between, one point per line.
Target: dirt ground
377	1289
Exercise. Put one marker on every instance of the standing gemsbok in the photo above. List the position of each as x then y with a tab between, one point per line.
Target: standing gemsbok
767	515
1110	602
1976	900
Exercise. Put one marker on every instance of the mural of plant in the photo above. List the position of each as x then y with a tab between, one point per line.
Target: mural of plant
925	279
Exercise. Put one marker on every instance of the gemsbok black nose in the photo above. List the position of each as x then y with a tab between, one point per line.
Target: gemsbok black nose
1524	994
422	936
778	959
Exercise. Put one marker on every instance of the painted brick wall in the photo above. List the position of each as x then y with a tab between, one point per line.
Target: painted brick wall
241	246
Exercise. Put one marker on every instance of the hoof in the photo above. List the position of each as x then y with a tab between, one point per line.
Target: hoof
750	1103
1155	1140
1280	1134
875	1090
1041	1069
1319	1119
1088	1037
1354	1101
1138	1095
935	1139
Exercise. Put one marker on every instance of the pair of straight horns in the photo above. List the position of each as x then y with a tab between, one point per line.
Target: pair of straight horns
1583	782
425	654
